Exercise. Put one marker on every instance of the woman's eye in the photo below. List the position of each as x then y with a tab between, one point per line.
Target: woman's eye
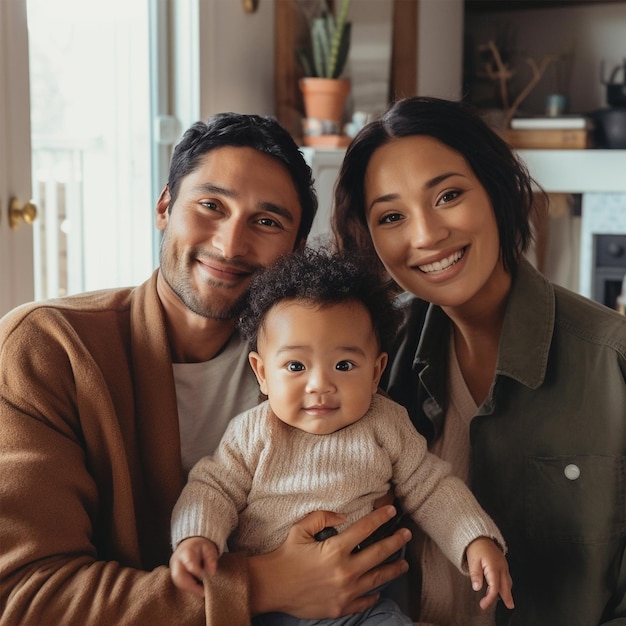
448	196
209	205
344	366
389	218
295	366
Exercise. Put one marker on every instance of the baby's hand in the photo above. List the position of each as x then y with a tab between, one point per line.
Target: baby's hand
193	559
486	561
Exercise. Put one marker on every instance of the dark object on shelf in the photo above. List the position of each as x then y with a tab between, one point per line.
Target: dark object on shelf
615	91
610	129
616	94
611	122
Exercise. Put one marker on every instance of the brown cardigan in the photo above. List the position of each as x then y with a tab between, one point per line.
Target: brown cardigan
90	468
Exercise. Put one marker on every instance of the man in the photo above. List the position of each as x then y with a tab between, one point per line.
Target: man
108	398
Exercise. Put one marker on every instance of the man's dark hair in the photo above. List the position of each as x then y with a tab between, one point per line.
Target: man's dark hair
264	134
323	278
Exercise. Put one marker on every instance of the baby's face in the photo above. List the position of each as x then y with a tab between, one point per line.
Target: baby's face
318	366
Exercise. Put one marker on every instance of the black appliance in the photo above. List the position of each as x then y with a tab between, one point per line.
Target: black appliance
609	268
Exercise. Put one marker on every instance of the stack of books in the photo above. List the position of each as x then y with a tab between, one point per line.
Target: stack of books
557	133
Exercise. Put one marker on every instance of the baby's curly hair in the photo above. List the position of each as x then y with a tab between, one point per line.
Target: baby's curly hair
322	277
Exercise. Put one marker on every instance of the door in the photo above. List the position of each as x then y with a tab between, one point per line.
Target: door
16	243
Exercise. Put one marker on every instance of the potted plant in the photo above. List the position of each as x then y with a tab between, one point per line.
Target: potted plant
324	89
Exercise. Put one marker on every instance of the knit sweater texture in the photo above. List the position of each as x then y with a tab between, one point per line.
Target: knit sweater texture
266	475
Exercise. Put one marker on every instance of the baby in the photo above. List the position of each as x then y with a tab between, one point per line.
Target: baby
318	325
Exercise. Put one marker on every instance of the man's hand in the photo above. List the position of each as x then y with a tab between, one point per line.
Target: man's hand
316	579
193	559
486	561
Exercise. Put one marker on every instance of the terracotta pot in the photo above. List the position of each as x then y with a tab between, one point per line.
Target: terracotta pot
325	100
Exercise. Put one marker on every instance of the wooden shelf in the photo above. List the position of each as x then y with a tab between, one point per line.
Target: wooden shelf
521	5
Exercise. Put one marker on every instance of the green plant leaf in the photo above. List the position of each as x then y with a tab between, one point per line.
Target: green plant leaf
330	44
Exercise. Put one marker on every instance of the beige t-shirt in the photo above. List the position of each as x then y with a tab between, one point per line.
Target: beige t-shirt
209	395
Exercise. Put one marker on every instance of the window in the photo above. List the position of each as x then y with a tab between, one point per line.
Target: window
94	170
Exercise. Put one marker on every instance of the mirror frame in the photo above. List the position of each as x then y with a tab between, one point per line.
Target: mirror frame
290	28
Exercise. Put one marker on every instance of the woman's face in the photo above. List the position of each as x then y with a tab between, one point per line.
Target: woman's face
432	223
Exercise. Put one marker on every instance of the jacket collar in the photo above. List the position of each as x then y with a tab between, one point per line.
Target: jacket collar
524	344
156	417
528	328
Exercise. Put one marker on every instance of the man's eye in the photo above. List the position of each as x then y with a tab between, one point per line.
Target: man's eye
344	366
268	221
295	366
209	205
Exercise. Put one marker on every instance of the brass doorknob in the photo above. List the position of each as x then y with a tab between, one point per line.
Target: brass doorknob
17	211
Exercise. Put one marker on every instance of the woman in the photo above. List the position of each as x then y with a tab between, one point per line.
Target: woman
518	383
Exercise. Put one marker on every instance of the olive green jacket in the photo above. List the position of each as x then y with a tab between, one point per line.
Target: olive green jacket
548	456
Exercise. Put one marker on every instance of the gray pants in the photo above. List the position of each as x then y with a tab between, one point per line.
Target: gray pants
383	613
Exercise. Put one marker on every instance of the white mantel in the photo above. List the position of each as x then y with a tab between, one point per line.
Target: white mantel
578	171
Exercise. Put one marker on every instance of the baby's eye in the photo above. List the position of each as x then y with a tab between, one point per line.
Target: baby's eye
344	366
295	366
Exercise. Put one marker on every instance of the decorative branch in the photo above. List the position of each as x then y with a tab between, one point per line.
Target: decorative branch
503	74
538	71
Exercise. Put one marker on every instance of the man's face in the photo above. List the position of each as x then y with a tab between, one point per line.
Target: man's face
234	215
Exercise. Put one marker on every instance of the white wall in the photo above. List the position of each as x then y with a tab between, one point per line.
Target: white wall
223	60
440	48
237	54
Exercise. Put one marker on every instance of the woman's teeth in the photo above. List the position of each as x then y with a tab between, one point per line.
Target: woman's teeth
439	266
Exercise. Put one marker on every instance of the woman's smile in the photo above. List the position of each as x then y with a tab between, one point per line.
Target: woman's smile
439	266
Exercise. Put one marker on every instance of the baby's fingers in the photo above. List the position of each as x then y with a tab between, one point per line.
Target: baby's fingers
498	583
476	575
490	597
185	580
486	562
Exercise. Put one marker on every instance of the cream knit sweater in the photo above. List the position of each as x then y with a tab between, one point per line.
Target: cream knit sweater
266	475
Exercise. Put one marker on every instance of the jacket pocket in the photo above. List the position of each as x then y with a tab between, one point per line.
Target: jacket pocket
576	499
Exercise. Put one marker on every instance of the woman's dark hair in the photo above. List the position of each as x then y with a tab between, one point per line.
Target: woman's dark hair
504	177
264	134
322	278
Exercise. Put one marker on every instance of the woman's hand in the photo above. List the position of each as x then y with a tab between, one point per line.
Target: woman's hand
486	561
316	579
